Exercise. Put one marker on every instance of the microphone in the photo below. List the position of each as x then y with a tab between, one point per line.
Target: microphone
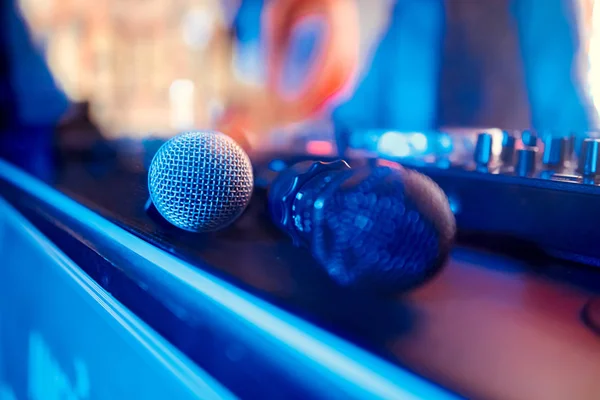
371	228
200	181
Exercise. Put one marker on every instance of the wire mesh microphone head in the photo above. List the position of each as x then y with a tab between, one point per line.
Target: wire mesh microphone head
200	181
383	229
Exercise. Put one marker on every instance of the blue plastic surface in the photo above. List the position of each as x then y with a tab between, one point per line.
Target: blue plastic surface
64	337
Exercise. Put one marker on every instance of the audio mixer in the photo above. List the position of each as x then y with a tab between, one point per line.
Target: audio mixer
541	190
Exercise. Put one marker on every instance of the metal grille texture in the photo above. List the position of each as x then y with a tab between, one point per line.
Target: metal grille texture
200	181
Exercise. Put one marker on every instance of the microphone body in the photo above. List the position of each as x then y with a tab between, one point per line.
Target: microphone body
373	228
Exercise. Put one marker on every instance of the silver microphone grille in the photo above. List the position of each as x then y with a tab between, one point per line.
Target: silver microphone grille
200	181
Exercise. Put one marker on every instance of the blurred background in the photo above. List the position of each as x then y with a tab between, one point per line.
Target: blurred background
162	66
143	66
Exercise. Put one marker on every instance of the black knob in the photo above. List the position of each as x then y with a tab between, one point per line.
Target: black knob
483	149
525	161
508	148
589	158
570	146
555	151
529	139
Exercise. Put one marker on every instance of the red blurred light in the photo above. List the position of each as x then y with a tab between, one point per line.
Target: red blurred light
388	163
319	147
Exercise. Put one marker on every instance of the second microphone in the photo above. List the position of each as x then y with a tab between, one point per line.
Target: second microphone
374	228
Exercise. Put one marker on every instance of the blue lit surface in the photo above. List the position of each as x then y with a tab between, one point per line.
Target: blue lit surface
64	337
318	359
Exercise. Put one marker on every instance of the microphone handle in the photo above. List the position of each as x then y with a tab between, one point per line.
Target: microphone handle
293	194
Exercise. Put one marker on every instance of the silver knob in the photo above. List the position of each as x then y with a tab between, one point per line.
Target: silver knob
589	158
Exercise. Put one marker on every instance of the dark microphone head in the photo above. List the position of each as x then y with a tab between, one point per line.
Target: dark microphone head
374	228
200	181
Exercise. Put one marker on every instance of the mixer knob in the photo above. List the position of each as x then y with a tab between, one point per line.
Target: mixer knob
570	146
483	149
525	161
555	151
589	160
508	148
529	139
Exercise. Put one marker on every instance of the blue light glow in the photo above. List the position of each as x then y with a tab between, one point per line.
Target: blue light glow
393	144
277	165
454	204
445	142
418	142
